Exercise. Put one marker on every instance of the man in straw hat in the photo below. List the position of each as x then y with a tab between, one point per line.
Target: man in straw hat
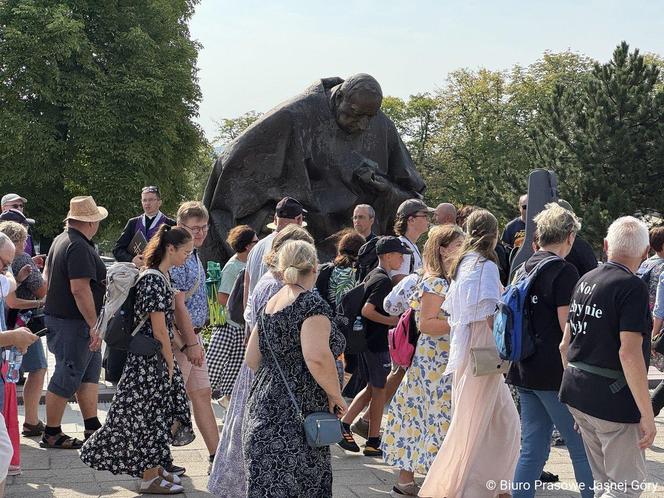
76	276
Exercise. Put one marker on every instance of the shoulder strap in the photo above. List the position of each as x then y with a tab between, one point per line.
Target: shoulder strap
191	291
281	372
149	271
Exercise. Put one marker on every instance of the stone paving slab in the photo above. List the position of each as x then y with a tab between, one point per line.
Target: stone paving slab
60	473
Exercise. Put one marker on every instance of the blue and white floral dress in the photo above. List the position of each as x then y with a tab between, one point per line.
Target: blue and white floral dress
420	412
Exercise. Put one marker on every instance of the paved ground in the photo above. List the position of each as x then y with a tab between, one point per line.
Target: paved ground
60	473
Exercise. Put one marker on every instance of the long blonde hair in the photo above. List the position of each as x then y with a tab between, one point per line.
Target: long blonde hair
481	237
439	236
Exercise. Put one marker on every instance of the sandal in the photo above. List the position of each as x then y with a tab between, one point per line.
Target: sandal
159	486
168	476
63	442
30	430
87	433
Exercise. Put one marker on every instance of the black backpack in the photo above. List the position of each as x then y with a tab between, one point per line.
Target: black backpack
120	328
367	259
235	303
348	311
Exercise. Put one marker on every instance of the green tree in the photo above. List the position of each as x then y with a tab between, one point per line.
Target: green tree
605	139
97	98
228	129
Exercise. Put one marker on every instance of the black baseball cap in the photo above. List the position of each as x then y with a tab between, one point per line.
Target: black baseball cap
17	216
289	208
388	244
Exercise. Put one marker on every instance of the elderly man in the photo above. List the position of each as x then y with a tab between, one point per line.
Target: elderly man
330	147
445	214
12	210
76	276
606	350
363	220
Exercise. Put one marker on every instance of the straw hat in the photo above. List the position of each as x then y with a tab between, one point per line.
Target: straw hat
84	208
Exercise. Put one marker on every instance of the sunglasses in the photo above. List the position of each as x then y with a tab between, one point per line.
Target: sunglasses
150	189
524	206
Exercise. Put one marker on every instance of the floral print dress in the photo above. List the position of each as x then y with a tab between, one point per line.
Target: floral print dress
137	432
421	410
279	462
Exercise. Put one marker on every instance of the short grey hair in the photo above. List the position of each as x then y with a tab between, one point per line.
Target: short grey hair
627	237
4	239
370	210
554	224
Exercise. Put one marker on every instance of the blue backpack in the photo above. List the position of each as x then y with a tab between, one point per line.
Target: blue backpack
511	320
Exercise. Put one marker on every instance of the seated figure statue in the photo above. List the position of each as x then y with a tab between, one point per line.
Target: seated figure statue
330	147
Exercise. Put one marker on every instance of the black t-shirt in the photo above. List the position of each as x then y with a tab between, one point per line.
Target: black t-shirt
515	233
72	256
582	256
378	285
552	288
606	301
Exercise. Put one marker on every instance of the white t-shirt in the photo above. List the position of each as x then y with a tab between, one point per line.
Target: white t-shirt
405	266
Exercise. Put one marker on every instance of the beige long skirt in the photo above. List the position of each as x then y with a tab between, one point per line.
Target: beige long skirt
481	447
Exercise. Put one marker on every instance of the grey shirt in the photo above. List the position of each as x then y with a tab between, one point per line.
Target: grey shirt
255	266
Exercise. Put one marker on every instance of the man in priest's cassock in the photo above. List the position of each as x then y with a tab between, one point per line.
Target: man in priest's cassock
136	234
330	147
139	230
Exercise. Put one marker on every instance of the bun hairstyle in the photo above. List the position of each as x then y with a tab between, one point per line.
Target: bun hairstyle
165	236
289	232
481	237
296	258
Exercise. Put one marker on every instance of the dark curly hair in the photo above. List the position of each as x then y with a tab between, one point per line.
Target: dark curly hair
240	237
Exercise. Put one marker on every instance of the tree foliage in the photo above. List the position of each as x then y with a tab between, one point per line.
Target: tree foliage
97	98
605	139
228	129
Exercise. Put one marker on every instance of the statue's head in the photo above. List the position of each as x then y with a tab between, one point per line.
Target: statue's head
356	101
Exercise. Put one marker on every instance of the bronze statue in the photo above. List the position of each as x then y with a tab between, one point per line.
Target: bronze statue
330	147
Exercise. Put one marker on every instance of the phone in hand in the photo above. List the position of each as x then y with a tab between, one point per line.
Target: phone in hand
42	332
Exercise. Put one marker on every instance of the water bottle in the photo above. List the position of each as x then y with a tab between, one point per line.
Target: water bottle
357	325
14	358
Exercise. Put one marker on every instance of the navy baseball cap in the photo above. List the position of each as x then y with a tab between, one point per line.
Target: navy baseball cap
17	216
389	244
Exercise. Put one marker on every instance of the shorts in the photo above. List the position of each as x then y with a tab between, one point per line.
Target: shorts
376	367
34	359
69	341
195	378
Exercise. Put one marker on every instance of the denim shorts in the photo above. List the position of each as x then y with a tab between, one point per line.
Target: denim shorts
69	341
376	367
34	359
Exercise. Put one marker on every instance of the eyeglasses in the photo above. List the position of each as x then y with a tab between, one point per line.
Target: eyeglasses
197	230
420	216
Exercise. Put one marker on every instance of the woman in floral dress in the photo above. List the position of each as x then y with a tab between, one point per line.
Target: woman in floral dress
150	410
420	412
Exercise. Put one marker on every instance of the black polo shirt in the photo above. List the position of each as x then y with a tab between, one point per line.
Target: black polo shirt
72	256
378	285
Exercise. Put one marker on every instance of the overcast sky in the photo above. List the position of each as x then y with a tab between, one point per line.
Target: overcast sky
255	54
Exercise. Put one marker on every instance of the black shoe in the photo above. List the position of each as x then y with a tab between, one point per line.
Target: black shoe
174	469
348	442
548	477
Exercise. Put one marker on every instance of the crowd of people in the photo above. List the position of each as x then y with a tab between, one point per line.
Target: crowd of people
286	359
